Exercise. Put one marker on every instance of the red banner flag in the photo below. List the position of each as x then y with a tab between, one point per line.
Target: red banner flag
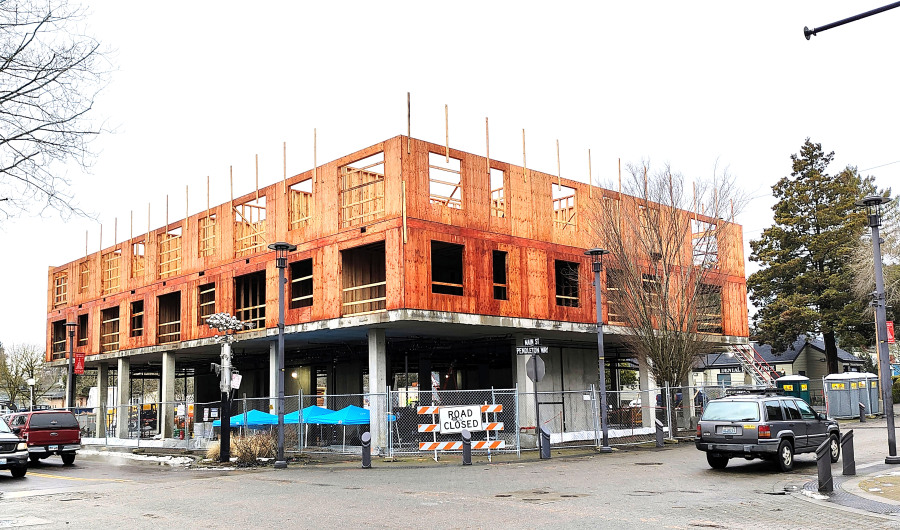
890	328
79	363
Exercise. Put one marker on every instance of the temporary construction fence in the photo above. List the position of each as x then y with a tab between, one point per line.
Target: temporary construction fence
406	422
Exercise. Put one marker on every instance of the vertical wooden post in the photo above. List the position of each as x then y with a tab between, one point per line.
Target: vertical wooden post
231	182
115	230
315	162
447	133
620	179
85	243
148	221
257	177
167	213
284	162
100	243
590	177
408	123
558	172
403	206
524	162
186	208
131	227
207	198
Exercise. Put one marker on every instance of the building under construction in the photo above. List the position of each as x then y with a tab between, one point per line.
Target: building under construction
414	261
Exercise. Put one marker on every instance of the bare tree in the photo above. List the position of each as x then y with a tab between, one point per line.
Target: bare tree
20	362
50	73
864	279
664	284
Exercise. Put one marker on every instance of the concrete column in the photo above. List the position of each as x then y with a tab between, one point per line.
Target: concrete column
648	400
526	395
167	395
377	385
273	377
123	389
102	399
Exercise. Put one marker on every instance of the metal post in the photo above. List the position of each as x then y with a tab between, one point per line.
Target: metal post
466	447
847	451
280	462
366	450
823	463
667	404
518	442
537	413
862	411
596	418
300	421
604	409
70	391
225	406
884	361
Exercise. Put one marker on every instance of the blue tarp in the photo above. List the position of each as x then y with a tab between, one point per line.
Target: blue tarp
255	418
349	415
310	414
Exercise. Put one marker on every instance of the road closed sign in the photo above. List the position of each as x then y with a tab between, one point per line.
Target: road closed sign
455	419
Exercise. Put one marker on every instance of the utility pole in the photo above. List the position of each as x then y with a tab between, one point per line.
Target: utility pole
228	325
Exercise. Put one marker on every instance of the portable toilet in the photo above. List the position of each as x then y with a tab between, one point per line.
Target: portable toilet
843	396
871	395
794	385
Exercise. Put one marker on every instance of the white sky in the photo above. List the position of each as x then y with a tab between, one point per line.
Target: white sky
204	85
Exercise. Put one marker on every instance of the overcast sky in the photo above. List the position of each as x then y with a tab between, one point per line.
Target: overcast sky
201	86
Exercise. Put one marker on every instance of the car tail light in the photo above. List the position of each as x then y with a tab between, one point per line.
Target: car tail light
698	430
764	431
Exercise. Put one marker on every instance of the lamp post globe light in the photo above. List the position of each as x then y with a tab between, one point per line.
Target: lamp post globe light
596	255
70	389
227	325
873	204
281	250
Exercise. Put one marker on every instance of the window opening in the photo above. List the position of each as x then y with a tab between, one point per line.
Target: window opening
109	329
137	259
705	243
362	191
499	266
206	237
137	318
250	226
84	276
109	271
60	288
250	299
364	280
170	253
301	203
82	330
206	300
169	321
445	181
301	284
650	283
498	199
58	344
564	210
649	218
709	308
615	287
446	268
566	283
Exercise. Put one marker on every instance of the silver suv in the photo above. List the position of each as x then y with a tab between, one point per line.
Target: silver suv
763	425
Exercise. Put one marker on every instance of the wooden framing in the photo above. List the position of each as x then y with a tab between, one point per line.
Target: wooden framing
109	329
368	231
109	276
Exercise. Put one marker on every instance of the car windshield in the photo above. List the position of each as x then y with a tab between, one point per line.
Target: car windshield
731	411
3	426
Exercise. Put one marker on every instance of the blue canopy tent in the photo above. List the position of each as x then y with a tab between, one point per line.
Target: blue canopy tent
255	418
310	413
349	415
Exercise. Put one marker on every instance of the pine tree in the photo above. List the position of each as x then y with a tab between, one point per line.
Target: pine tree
804	285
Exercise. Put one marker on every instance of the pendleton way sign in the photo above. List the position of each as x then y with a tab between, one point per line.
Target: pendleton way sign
532	347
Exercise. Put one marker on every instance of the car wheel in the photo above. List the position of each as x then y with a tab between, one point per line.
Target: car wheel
68	458
18	472
835	447
34	458
785	456
716	462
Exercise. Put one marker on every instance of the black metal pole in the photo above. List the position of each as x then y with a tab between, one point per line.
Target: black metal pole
225	412
811	32
70	398
884	362
537	410
604	419
280	462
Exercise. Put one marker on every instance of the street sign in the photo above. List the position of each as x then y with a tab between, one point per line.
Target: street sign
79	363
534	341
532	350
535	368
454	419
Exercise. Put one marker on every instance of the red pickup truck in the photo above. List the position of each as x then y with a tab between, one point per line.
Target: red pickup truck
48	432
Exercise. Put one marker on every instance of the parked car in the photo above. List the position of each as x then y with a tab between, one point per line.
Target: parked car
48	432
13	452
763	425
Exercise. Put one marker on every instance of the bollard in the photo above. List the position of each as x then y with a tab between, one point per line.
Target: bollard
823	462
862	413
366	450
847	452
467	447
659	433
545	442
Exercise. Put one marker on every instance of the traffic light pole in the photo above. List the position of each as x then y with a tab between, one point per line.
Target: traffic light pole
225	409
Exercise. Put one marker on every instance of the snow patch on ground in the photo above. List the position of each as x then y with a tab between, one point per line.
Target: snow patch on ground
163	460
814	495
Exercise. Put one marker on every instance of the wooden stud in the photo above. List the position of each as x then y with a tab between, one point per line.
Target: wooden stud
257	177
85	243
487	146
207	195
284	163
558	173
186	210
115	230
447	133
100	243
167	213
131	227
231	181
315	162
403	207
408	123
590	177
620	178
524	164
148	218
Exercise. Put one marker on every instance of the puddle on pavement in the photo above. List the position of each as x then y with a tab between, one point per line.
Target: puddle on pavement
539	496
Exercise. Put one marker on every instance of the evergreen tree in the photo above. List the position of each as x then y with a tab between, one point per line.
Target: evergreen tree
804	285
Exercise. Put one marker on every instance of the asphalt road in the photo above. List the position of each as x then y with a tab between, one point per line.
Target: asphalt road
667	488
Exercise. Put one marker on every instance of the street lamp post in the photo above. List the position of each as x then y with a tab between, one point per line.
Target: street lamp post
70	391
596	255
281	249
228	325
873	204
30	382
